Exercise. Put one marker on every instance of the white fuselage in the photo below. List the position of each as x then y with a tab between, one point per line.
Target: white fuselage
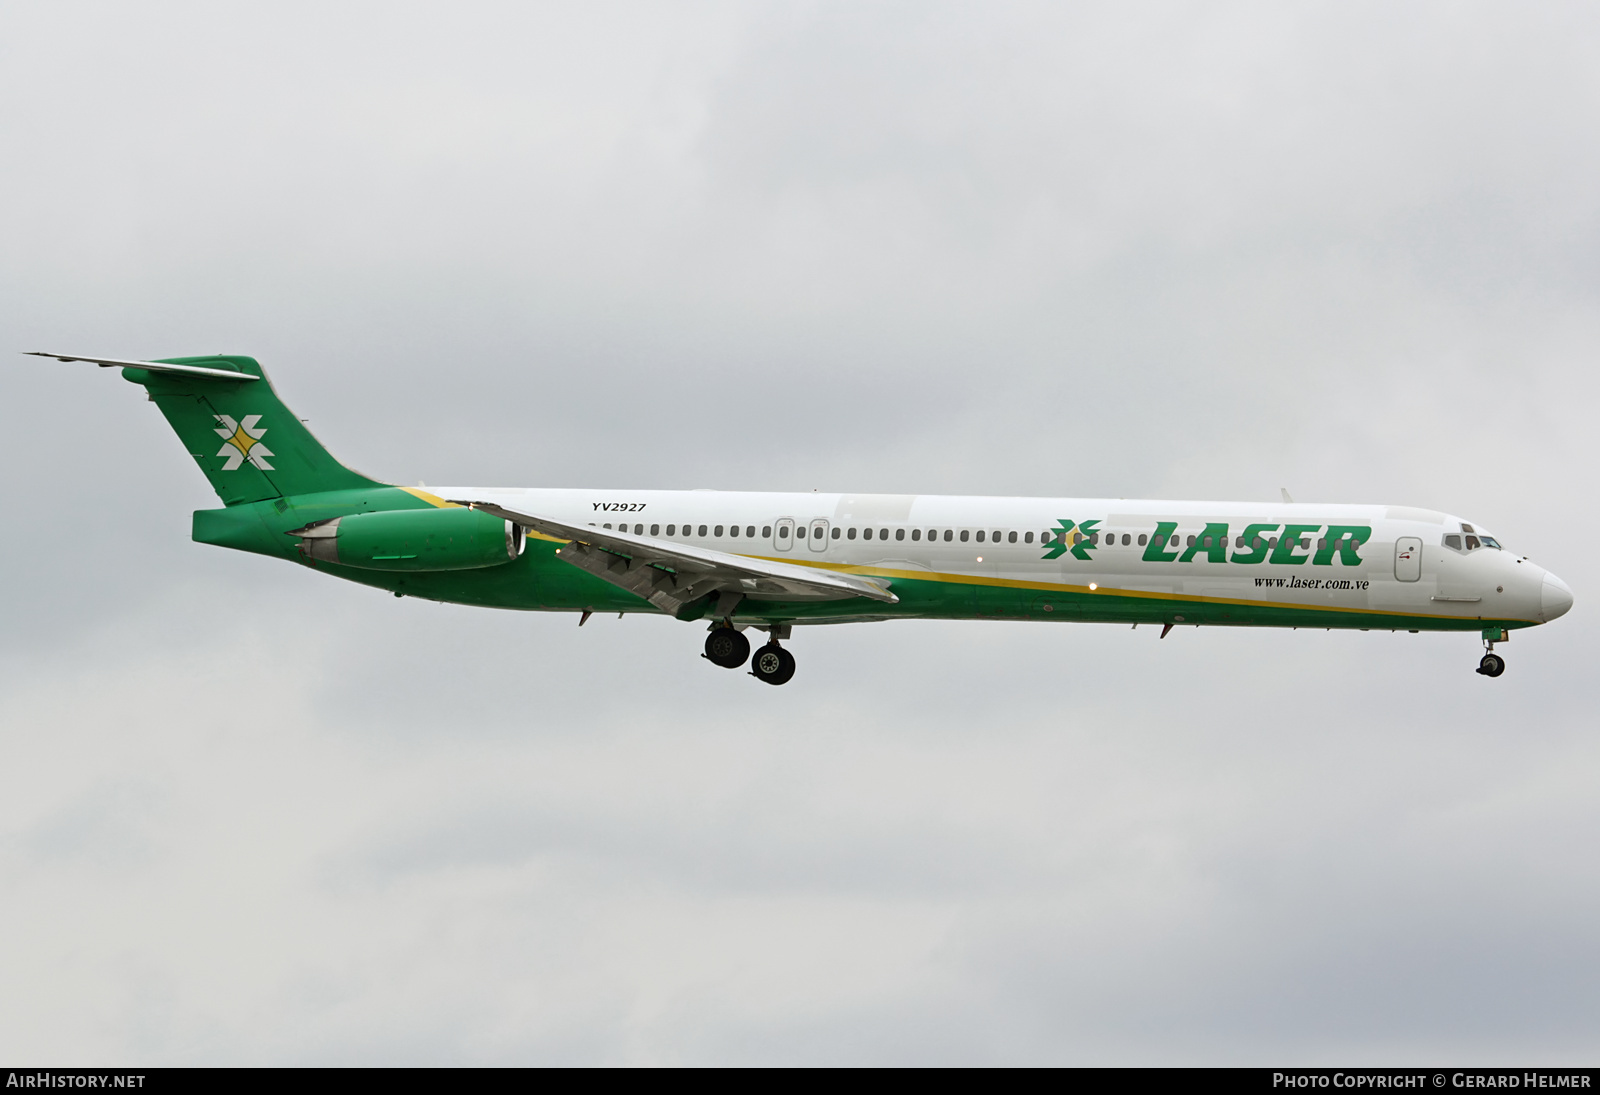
1402	561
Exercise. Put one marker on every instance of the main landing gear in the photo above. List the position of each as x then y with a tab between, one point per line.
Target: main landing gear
726	646
772	664
1492	664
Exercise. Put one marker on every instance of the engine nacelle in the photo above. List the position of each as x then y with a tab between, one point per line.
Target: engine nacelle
455	538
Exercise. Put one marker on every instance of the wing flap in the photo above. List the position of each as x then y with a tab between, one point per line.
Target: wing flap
670	575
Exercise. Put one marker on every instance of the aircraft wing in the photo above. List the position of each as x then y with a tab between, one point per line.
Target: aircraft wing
670	575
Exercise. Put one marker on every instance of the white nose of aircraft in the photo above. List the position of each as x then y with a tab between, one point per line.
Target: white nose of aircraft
1555	598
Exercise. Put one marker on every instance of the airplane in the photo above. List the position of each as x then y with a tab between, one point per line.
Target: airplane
771	562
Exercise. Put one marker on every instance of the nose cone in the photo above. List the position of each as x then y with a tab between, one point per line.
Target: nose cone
1555	598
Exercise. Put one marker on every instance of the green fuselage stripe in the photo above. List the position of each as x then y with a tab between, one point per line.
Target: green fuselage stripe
540	581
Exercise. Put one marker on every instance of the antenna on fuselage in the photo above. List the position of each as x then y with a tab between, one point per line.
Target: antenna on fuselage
1285	492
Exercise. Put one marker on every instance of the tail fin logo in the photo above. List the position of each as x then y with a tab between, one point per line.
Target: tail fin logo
241	441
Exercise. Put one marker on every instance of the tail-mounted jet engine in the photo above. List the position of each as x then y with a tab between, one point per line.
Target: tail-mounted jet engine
413	540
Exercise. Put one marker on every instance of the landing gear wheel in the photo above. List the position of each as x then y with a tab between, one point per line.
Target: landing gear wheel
1492	665
727	648
772	664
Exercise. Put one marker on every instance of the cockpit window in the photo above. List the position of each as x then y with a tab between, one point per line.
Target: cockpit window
1490	541
1452	541
1472	543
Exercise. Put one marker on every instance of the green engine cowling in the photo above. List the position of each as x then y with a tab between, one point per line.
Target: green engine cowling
455	538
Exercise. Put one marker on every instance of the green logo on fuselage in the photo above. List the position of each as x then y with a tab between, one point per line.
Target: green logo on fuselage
1280	544
1064	539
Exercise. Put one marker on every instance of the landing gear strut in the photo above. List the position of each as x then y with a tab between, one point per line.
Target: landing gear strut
1492	664
772	664
727	647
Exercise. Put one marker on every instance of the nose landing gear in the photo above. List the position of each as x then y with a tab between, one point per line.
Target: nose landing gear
1492	664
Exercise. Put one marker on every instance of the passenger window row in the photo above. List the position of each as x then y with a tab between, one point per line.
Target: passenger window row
1109	539
688	530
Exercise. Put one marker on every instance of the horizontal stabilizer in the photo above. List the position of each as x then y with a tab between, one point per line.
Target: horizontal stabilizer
152	366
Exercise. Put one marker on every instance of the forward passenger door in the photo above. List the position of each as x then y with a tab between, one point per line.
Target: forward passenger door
1407	559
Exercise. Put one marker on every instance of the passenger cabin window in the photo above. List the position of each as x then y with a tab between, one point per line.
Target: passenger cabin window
1011	538
672	530
963	536
980	536
702	530
916	534
1141	539
899	534
851	535
835	533
1027	537
948	536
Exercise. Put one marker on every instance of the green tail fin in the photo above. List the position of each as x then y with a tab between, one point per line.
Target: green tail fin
249	445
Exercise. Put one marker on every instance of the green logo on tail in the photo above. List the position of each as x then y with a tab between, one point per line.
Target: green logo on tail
241	441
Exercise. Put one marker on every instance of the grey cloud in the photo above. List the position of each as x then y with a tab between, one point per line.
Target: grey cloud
1192	250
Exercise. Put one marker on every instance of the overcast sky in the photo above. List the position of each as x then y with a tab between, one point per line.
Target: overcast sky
252	815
